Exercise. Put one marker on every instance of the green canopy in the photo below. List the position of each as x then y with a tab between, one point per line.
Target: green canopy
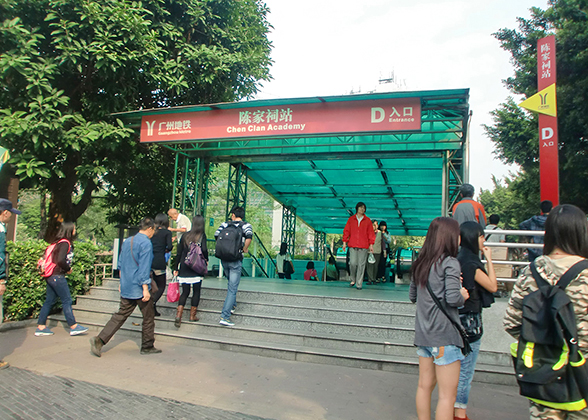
406	177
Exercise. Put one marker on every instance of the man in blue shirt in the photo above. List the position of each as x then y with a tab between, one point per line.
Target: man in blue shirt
134	264
537	223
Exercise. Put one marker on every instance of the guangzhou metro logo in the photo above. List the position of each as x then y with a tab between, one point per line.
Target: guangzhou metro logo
169	128
150	127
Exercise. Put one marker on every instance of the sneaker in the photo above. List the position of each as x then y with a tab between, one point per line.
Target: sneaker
150	350
233	309
78	330
226	322
39	332
3	364
96	346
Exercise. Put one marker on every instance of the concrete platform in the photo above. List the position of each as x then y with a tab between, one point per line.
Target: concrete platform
236	382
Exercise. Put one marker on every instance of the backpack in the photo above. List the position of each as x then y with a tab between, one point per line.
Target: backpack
45	265
229	243
195	259
549	367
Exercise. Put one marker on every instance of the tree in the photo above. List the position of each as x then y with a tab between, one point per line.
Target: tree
514	132
67	65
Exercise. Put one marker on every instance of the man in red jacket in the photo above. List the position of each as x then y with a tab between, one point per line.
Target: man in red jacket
359	235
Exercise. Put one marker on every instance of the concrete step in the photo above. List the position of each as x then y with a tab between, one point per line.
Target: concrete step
110	289
394	340
289	351
385	332
271	309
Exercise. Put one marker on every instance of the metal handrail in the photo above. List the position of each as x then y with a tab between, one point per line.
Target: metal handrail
512	245
265	253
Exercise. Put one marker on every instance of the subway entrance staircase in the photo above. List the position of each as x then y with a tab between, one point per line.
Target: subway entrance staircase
316	322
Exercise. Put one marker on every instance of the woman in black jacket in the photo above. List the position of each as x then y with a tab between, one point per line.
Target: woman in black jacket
162	244
61	258
187	276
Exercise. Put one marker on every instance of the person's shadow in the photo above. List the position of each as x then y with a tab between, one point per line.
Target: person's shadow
12	336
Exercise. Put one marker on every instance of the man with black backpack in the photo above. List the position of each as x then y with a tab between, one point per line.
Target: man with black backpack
232	240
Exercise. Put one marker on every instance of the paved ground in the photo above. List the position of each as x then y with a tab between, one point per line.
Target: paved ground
58	373
26	395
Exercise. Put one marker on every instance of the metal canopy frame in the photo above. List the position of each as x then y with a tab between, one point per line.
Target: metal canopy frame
405	178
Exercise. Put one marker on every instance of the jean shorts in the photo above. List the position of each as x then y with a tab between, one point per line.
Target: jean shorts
444	355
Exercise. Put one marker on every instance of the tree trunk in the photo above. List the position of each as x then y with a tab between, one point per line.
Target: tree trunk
63	209
43	211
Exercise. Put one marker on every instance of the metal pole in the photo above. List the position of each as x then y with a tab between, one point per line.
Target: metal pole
444	184
173	200
466	157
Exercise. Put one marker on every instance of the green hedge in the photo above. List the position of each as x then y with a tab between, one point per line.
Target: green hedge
25	288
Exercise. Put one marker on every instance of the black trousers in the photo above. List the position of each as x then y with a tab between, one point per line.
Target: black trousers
161	283
127	306
186	292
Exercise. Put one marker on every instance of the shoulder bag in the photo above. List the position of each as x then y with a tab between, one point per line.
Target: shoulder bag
466	349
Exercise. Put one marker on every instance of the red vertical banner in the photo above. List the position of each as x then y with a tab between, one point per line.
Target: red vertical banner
548	148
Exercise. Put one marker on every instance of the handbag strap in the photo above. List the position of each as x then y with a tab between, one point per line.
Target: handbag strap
440	306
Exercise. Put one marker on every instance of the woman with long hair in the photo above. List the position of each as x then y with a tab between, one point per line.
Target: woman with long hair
62	257
186	276
282	260
372	269
566	243
438	340
386	240
162	244
480	285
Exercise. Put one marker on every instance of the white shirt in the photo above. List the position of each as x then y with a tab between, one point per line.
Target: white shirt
182	222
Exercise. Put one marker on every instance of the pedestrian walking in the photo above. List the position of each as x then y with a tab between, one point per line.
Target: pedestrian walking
187	277
58	263
359	235
162	244
232	241
134	264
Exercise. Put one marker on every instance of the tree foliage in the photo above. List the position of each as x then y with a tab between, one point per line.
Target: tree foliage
66	66
514	132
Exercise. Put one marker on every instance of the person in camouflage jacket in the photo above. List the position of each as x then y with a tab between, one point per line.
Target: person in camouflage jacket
566	243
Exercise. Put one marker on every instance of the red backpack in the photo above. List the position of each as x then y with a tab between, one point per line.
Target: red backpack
45	265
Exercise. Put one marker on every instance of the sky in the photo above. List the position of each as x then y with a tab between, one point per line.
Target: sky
338	47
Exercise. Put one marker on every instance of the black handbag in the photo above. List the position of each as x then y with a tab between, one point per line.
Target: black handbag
288	268
466	349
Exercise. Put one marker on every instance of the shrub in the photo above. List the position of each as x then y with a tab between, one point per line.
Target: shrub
25	288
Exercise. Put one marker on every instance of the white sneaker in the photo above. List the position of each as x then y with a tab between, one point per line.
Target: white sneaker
226	322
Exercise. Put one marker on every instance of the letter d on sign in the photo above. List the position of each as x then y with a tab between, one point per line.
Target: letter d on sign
546	133
378	115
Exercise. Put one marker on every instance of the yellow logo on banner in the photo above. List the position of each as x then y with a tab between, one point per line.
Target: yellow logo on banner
543	102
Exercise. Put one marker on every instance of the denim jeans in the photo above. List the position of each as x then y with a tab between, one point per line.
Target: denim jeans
233	272
57	287
466	374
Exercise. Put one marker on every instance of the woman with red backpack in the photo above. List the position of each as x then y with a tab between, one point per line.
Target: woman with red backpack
58	264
